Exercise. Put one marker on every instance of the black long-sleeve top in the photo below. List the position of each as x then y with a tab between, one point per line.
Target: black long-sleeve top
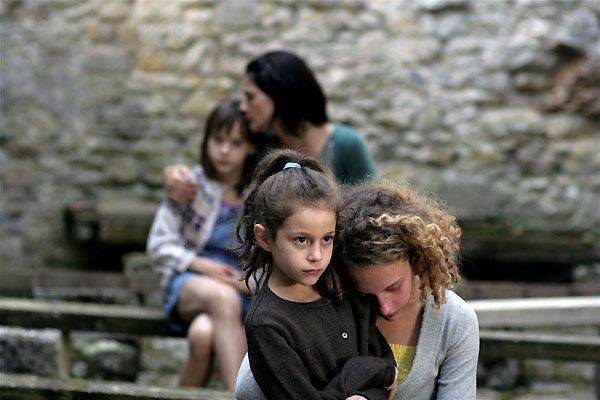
317	350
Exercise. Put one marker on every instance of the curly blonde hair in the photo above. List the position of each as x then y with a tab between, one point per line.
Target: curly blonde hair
382	222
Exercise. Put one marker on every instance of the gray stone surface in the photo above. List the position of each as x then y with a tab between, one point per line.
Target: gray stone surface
27	351
105	359
97	96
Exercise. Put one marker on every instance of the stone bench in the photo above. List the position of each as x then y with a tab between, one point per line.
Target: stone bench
137	283
16	387
492	314
538	312
514	344
125	287
125	226
72	316
112	223
102	320
523	315
495	317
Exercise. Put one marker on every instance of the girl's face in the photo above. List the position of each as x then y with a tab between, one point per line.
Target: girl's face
301	248
393	285
228	150
257	106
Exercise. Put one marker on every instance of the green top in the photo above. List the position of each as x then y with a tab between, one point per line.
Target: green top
346	153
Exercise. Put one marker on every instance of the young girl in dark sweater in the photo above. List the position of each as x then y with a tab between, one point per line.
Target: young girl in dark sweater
306	338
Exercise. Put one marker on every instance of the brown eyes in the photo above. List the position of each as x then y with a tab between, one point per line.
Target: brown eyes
303	240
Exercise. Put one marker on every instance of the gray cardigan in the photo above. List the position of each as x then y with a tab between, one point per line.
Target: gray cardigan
445	364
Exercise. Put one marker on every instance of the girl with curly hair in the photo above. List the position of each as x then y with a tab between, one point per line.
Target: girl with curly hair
402	250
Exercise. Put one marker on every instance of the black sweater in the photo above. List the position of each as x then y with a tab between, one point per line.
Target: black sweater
316	350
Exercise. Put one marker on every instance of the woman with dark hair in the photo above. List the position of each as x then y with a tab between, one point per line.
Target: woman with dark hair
283	98
297	97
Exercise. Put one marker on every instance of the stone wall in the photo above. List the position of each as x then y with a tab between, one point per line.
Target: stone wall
494	104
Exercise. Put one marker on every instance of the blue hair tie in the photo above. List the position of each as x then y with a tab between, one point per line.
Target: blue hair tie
291	165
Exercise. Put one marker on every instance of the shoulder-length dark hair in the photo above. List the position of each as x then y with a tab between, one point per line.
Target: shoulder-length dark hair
293	87
224	116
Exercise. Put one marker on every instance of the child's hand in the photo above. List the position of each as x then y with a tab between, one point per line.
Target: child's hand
394	387
179	183
231	275
241	287
216	270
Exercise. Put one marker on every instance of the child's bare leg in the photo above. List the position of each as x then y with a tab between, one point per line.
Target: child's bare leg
196	367
221	302
230	347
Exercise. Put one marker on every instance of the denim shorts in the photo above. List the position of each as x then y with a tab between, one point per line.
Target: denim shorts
171	295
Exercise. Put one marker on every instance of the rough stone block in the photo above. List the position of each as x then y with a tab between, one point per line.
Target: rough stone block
37	352
106	359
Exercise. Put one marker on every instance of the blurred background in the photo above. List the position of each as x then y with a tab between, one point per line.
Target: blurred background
492	104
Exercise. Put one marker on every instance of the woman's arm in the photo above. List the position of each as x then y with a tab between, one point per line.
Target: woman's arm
458	372
246	387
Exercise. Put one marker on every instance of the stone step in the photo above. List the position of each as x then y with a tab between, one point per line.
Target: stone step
72	316
502	242
538	312
499	314
145	281
137	320
16	280
512	344
21	387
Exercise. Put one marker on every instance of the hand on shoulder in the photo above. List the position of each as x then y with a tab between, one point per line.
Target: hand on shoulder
179	183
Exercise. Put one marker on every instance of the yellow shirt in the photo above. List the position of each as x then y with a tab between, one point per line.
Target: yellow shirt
404	356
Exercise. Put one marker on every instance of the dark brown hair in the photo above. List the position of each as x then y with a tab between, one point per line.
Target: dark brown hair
291	84
382	222
224	117
273	195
